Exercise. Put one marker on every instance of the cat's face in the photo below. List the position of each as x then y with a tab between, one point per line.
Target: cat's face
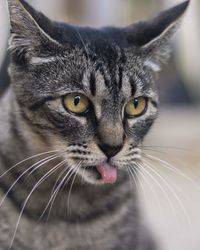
88	92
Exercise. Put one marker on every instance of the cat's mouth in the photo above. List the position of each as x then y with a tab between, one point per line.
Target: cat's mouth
104	172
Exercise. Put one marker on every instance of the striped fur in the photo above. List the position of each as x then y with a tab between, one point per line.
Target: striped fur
110	66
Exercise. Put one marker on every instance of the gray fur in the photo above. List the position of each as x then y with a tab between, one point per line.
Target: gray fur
110	66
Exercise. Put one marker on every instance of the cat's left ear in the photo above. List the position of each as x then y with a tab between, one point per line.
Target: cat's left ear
33	35
152	37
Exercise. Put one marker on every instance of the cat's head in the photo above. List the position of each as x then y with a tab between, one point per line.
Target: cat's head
89	92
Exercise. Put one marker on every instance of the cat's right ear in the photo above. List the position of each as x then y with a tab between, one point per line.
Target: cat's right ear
31	33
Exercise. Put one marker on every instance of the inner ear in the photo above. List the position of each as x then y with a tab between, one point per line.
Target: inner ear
31	32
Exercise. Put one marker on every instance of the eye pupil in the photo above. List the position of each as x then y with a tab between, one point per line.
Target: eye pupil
76	103
77	100
135	102
136	107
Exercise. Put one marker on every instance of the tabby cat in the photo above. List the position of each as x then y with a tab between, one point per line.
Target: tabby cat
81	101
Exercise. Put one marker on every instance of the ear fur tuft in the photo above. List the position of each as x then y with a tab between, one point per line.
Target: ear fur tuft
29	29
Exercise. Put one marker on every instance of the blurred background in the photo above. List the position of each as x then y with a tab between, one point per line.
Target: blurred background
170	197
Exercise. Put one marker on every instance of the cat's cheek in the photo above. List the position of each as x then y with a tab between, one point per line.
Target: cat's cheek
136	130
72	129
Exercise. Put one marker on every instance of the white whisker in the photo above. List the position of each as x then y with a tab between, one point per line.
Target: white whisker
46	160
133	177
70	190
27	159
145	178
169	166
83	174
161	188
151	167
129	174
55	192
35	166
134	171
84	45
41	180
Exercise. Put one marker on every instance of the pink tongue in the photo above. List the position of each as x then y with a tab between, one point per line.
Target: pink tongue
108	173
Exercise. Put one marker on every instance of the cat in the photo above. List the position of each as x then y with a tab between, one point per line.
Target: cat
80	103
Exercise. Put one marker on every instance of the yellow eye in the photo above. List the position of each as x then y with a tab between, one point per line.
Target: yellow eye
76	103
136	106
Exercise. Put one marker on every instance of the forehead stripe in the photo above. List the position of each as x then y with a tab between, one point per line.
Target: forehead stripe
120	77
133	86
93	84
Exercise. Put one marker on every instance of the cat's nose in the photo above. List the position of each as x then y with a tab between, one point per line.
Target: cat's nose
109	150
